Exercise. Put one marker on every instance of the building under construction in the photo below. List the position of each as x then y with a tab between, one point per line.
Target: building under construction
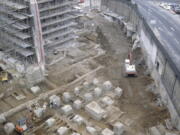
98	67
31	27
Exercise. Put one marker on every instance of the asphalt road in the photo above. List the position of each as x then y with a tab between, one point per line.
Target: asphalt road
166	26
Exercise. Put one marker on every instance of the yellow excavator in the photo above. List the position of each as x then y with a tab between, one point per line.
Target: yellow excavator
4	76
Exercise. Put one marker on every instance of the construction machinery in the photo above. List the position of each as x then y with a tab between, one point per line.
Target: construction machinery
129	68
21	126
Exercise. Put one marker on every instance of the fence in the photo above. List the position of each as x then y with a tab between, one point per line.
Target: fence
171	74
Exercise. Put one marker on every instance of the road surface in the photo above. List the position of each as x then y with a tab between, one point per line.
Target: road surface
166	26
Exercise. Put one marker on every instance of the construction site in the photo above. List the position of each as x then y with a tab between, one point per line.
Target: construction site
71	67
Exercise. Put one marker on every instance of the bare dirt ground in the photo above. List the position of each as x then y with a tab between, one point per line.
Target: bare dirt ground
137	103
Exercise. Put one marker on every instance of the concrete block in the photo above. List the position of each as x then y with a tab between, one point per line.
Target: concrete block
55	101
107	100
50	122
95	111
63	131
107	131
77	104
107	86
2	119
88	97
91	130
67	110
95	82
67	97
75	133
118	128
39	112
86	85
118	91
78	119
9	128
77	91
97	92
35	89
154	131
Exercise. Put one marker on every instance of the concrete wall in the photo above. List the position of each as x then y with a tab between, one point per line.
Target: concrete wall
168	85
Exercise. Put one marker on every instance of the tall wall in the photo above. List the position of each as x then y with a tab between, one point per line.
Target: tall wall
159	64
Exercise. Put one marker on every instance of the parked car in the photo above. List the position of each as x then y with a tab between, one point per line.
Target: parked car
176	10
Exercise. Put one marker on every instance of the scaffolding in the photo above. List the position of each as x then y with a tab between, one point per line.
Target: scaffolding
18	27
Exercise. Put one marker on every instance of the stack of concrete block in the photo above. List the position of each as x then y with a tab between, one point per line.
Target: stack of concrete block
95	111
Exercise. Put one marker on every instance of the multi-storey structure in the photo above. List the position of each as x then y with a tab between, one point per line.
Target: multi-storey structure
28	27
